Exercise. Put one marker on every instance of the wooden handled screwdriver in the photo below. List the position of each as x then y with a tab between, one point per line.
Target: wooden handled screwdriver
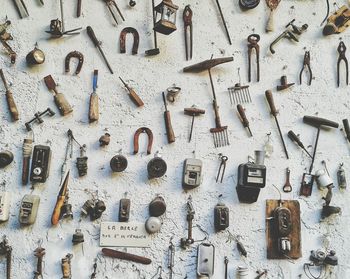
56	215
132	95
9	98
274	112
295	138
93	106
169	129
244	119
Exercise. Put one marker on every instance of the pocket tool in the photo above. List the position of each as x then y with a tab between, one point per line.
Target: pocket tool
187	18
306	64
21	8
193	112
110	5
223	166
253	40
341	50
4	37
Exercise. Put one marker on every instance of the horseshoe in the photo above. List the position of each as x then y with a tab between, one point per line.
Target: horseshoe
122	37
136	139
75	54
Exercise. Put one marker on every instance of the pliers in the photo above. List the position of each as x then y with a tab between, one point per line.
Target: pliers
341	50
187	18
306	64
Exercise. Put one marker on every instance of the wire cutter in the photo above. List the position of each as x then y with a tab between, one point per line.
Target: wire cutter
341	50
306	64
223	166
187	18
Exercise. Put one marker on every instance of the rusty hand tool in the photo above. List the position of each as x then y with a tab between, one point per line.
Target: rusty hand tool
306	64
60	100
187	18
39	253
224	22
38	118
6	250
244	119
284	84
296	139
125	256
93	106
169	129
133	95
155	50
79	8
4	37
21	8
171	259
75	54
9	98
239	94
274	112
185	242
97	44
136	139
346	128
253	40
193	112
272	5
341	50
219	133
61	200
222	167
27	152
226	271
110	5
287	186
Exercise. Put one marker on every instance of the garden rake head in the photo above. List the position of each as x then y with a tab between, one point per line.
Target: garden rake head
239	94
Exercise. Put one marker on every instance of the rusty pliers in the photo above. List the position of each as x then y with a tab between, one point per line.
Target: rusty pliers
187	18
341	50
253	40
306	64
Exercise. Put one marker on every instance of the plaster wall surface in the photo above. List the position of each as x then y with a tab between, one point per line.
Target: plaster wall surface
149	76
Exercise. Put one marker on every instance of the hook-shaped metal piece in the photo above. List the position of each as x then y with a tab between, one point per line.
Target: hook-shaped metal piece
75	54
136	139
122	40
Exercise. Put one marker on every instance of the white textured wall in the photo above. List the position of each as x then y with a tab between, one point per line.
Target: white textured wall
150	76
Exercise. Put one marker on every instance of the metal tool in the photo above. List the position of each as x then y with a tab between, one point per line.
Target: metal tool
341	50
155	50
185	242
105	139
93	105
224	22
79	8
272	5
226	267
6	158
112	4
97	44
188	28
287	187
93	275
172	93
133	95
136	139
296	139
60	100
74	54
118	163
122	39
337	22
243	118
21	8
193	111
239	94
125	256
169	129
171	259
66	266
253	40
219	133
6	250
346	128
38	118
290	34
39	253
9	98
223	161
27	152
306	64
284	84
4	37
124	210
274	112
82	161
205	260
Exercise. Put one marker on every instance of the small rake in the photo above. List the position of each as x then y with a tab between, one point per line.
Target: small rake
239	94
219	133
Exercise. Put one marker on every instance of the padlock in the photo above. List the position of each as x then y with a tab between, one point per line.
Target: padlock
156	168
124	210
221	217
118	163
323	179
66	211
78	237
153	225
157	206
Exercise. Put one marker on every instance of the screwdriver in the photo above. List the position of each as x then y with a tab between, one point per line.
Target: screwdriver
244	119
97	44
295	138
132	95
346	128
169	129
274	112
193	112
9	98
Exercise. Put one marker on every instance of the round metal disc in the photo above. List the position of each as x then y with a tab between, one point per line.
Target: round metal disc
156	167
6	157
153	225
118	163
157	207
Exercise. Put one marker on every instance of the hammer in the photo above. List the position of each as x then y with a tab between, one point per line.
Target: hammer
193	112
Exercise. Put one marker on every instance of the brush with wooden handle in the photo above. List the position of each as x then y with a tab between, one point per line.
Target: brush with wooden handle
60	100
9	98
56	215
93	107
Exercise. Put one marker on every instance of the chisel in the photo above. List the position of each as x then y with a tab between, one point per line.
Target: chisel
9	98
132	95
169	129
93	107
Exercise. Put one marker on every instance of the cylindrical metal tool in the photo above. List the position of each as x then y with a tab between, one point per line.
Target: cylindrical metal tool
169	129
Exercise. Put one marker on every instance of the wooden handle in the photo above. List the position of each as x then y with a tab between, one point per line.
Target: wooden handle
347	128
269	97
135	98
169	129
62	104
125	256
12	106
25	170
318	122
57	211
217	116
270	22
93	108
92	36
295	138
243	115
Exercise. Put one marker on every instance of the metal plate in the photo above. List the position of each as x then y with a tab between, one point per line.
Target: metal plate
118	163
156	167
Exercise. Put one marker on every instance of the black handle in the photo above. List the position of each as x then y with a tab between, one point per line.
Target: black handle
295	138
318	122
92	36
347	128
